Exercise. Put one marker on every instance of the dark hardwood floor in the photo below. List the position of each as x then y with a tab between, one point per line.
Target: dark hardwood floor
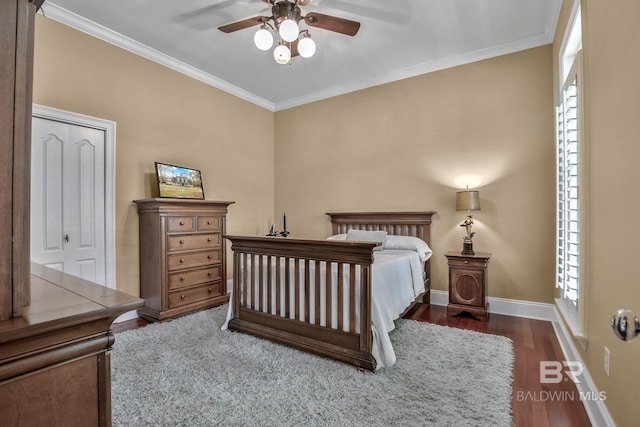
533	404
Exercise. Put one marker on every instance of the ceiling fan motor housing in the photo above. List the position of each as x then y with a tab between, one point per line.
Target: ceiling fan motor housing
283	10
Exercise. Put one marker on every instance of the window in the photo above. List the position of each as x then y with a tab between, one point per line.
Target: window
570	185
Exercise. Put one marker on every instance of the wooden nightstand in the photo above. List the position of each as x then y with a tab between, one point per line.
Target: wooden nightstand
468	284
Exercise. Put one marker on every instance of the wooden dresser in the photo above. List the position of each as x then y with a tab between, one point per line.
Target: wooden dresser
182	256
55	365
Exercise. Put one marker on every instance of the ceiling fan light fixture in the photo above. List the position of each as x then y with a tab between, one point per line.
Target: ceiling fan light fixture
263	39
282	54
306	47
288	30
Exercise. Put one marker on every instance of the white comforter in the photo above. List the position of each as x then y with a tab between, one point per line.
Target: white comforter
397	279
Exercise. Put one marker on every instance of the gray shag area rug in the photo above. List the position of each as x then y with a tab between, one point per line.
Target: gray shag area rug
188	372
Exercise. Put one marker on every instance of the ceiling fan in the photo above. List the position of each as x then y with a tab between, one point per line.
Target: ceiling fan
284	20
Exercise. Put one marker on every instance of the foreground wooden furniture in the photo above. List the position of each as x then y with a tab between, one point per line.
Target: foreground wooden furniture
17	19
54	360
468	281
182	256
351	340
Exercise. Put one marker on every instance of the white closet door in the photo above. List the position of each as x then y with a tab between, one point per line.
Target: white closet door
67	198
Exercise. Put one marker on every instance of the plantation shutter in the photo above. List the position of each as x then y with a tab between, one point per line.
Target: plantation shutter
568	190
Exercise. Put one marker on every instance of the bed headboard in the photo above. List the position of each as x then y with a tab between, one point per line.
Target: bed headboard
416	224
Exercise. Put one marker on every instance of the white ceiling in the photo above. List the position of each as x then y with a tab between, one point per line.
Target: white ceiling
397	39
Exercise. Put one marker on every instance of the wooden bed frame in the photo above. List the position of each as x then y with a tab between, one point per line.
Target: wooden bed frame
288	319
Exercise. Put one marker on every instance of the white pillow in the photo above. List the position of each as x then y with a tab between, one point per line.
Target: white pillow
338	237
367	236
409	243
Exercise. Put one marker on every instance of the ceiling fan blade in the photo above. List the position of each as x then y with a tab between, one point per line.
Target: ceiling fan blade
331	23
241	25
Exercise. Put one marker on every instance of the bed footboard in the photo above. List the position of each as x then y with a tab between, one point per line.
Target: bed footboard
314	295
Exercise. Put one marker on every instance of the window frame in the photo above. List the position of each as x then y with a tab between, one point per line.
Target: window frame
574	314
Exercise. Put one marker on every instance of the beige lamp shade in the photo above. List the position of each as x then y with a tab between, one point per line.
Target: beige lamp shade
468	200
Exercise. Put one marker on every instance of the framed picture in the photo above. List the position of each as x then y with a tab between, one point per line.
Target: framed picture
179	182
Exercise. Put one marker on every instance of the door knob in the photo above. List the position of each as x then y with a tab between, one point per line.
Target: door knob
66	238
625	325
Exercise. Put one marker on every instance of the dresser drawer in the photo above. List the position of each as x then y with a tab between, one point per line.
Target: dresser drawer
194	277
195	241
196	259
188	296
209	223
180	223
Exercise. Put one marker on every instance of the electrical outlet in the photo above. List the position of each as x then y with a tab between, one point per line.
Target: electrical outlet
607	360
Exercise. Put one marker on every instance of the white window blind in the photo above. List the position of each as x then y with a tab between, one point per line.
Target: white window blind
568	190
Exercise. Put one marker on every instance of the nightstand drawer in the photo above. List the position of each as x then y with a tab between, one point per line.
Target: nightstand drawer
193	277
180	223
195	241
190	260
468	263
209	223
200	293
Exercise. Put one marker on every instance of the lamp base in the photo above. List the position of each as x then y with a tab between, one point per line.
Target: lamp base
467	248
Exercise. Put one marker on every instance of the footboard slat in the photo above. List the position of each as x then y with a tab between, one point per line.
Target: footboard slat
287	290
340	295
243	293
307	299
316	288
352	297
328	306
296	291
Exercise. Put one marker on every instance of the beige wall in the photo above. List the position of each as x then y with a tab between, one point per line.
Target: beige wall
161	115
612	103
410	145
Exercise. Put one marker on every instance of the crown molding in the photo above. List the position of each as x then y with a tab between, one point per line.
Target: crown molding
89	27
419	69
53	11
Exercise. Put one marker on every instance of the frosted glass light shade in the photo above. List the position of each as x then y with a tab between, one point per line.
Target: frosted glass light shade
282	54
288	30
263	39
306	47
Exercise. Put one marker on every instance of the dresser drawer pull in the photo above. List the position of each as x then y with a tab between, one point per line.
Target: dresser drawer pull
181	259
182	242
208	222
182	296
181	222
209	256
182	278
210	290
209	273
208	239
466	261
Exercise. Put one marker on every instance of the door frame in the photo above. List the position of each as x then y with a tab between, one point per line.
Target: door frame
109	128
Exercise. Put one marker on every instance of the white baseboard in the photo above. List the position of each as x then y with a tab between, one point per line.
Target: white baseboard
596	409
508	307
